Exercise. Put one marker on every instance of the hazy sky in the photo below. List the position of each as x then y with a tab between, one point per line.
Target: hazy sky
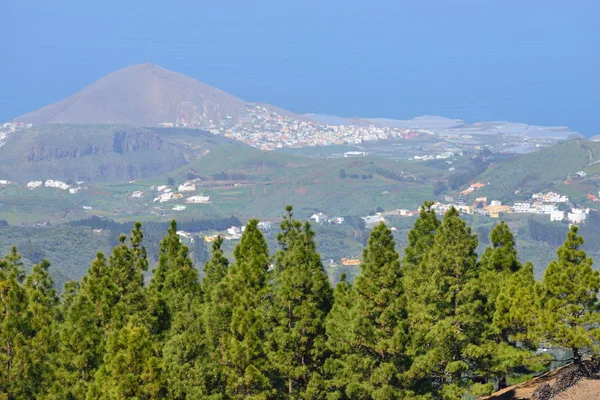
534	61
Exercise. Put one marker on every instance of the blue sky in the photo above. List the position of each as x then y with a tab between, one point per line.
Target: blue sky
525	61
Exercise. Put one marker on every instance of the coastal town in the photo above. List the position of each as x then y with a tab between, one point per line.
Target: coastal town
267	130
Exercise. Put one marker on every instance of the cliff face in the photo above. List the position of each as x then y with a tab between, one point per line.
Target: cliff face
135	140
89	153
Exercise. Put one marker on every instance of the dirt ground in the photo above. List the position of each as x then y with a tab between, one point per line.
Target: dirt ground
587	389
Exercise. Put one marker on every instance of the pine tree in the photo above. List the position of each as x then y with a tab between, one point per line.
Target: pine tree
568	296
447	317
43	311
127	263
420	240
88	315
375	360
509	342
420	237
131	366
176	286
110	295
302	298
237	323
215	269
16	375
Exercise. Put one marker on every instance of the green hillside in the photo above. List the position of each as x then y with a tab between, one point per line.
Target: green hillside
540	170
87	152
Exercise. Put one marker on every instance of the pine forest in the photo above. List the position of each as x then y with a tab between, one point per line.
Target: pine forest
438	321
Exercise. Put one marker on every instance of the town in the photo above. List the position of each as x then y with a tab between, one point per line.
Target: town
268	130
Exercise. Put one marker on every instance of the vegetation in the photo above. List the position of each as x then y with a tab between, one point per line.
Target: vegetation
441	323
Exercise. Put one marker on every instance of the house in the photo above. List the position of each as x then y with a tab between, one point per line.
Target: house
477	185
137	194
56	184
355	154
163	197
338	220
234	230
73	190
350	262
4	182
521	208
319	218
161	188
34	184
576	218
87	208
373	219
581	174
179	208
186	235
198	199
177	196
187	187
467	191
494	211
557	215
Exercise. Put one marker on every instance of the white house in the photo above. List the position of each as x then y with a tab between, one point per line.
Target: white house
179	208
187	187
56	184
557	215
163	197
73	190
137	194
521	207
34	184
319	218
198	199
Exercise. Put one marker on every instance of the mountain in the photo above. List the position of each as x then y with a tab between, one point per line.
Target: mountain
141	95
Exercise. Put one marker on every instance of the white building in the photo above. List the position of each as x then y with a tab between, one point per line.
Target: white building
546	208
179	208
74	190
355	154
576	218
163	197
521	208
373	219
56	184
234	230
161	188
137	194
495	203
187	187
557	215
319	218
198	199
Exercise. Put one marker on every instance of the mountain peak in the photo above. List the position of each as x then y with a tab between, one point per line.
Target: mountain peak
140	95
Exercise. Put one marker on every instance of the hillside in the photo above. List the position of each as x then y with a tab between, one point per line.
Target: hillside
539	170
89	153
140	95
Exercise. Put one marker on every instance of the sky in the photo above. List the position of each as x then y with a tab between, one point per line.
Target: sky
529	61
